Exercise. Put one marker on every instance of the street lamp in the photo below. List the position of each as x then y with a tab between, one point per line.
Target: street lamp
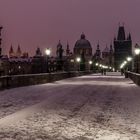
47	52
78	59
129	65
137	53
100	65
125	62
129	59
97	64
90	63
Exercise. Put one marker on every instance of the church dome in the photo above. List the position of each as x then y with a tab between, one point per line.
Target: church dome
82	42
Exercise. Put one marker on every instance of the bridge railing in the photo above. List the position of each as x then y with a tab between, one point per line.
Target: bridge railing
33	79
135	77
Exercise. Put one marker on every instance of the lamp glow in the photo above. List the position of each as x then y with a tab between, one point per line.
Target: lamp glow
137	51
129	59
125	62
90	62
78	59
48	52
97	64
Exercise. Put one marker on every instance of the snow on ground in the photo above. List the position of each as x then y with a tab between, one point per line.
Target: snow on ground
92	107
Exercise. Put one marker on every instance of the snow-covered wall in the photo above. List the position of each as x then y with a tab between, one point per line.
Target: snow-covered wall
135	77
33	79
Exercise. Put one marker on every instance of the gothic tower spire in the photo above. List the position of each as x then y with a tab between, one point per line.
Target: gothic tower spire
129	37
68	49
121	33
98	52
122	47
11	51
18	53
111	47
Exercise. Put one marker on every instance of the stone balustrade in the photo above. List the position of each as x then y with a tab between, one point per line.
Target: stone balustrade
135	77
33	79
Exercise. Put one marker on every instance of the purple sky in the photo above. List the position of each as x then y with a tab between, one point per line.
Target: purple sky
43	22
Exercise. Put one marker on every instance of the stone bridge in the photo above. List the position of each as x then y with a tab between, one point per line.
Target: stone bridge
90	107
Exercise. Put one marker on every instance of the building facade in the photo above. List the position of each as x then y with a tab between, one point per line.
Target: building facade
122	47
65	60
83	49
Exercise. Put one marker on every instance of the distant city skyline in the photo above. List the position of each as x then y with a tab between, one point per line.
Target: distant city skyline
41	23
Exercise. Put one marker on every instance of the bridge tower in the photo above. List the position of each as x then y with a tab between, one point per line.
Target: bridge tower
122	47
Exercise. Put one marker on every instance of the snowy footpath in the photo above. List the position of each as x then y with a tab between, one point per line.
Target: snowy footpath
92	107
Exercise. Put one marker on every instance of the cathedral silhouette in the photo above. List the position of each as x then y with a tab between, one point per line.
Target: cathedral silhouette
65	59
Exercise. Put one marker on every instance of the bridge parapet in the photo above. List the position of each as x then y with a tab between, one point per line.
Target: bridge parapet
34	79
135	77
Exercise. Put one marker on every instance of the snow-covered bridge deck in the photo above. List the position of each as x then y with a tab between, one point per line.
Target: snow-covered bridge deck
92	107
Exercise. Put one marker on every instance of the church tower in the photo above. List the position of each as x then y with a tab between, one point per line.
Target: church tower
68	50
111	56
122	47
59	50
0	42
98	53
18	53
11	52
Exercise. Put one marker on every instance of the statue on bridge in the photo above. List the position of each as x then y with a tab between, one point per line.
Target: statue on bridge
59	53
60	50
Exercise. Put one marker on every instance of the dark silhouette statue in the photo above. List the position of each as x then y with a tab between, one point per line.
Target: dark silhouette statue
59	53
60	50
38	52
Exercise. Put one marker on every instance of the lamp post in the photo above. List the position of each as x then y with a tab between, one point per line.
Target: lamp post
47	52
78	59
129	67
129	59
137	53
97	67
90	64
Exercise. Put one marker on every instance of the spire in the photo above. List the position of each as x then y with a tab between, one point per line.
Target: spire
121	33
114	38
11	51
129	37
98	46
18	49
106	50
68	49
18	53
59	46
83	36
111	47
0	29
98	52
